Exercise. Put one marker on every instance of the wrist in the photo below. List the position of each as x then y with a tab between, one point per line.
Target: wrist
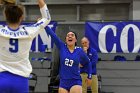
89	76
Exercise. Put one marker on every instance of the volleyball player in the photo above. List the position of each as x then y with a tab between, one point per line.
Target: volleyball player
15	44
71	57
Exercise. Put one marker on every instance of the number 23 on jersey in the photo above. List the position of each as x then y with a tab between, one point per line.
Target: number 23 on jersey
68	62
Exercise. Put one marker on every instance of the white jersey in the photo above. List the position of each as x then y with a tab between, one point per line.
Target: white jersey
15	45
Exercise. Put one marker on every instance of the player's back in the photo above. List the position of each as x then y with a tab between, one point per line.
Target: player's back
14	51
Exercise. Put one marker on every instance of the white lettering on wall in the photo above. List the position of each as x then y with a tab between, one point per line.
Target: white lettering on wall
102	38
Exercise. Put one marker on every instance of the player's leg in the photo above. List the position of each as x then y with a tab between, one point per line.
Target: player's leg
76	89
63	86
76	86
84	85
62	90
94	86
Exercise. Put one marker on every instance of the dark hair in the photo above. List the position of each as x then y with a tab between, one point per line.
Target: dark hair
75	37
13	13
74	34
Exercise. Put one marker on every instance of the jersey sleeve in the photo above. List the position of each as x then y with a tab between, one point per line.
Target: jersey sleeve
84	61
94	58
39	26
54	37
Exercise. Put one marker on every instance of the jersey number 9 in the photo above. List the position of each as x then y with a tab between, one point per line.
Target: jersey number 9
14	45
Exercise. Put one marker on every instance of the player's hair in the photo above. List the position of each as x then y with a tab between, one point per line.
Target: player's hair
75	34
76	38
13	13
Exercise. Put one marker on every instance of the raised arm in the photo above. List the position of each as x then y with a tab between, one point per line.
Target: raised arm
42	23
41	3
46	18
54	37
44	12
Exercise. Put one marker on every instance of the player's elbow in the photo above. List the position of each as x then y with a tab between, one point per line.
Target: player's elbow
49	19
46	21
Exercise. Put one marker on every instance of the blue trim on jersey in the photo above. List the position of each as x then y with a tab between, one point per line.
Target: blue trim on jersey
37	24
12	29
48	14
11	83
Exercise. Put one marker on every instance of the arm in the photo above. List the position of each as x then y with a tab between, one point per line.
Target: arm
86	62
45	13
41	3
56	40
94	58
35	29
89	70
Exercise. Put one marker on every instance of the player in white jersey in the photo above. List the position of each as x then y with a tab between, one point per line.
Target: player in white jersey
15	44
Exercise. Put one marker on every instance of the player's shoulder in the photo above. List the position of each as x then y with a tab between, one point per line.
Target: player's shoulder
93	50
2	27
28	25
78	48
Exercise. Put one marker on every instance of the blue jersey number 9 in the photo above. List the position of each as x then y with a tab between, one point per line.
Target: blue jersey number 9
14	45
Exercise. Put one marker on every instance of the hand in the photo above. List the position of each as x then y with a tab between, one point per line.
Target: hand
80	65
85	49
41	3
88	82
